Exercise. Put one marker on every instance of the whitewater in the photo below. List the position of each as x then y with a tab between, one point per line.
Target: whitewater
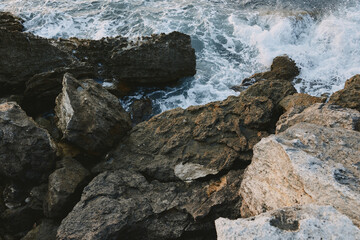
232	39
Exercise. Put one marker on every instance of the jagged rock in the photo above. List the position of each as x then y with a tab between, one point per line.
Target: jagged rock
63	184
124	205
89	116
321	114
141	110
26	150
195	142
10	22
12	98
45	231
299	100
349	97
307	163
301	222
282	68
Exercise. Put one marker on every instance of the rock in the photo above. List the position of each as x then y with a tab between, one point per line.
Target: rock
125	205
301	222
282	68
349	97
12	98
89	116
307	163
141	110
299	100
195	142
26	151
10	22
45	231
63	186
321	114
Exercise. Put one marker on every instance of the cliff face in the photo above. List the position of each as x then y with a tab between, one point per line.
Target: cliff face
83	171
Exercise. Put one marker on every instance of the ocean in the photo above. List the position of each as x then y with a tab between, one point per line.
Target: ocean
232	39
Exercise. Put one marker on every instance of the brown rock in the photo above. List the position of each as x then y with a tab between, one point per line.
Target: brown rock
299	100
349	97
141	110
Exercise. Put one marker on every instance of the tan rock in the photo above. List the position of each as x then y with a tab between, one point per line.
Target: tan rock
299	100
349	96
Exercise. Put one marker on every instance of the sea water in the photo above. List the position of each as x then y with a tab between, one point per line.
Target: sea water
232	39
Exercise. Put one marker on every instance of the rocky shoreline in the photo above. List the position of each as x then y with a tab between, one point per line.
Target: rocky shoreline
75	165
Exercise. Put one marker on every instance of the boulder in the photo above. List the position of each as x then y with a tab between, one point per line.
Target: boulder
89	116
26	151
62	188
321	114
349	97
10	22
126	205
196	142
300	222
282	68
299	100
307	163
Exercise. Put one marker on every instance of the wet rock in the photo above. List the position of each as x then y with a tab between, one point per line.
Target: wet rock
124	204
282	68
321	114
26	150
299	100
12	98
89	116
305	164
63	186
10	22
196	142
141	110
301	222
349	97
45	231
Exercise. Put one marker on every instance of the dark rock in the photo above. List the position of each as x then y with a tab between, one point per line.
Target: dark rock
349	97
48	122
141	110
124	205
282	68
63	184
12	98
45	231
10	22
196	142
26	150
89	116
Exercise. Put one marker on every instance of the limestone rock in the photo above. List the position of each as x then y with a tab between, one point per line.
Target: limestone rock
349	97
299	100
89	116
300	222
63	184
321	114
26	150
195	142
305	164
125	205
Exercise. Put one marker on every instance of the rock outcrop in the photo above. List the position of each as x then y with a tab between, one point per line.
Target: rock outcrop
26	151
89	116
301	222
305	164
10	22
321	114
299	100
349	97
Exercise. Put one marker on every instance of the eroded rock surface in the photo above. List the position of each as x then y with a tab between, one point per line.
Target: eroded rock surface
305	164
348	97
322	114
89	116
301	222
299	100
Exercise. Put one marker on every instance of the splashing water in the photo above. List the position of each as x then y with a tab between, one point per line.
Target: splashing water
232	39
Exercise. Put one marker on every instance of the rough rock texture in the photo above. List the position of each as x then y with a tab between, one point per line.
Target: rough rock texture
301	222
159	59
299	100
125	205
322	114
141	110
45	231
63	184
195	142
26	150
89	116
282	68
307	163
348	97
